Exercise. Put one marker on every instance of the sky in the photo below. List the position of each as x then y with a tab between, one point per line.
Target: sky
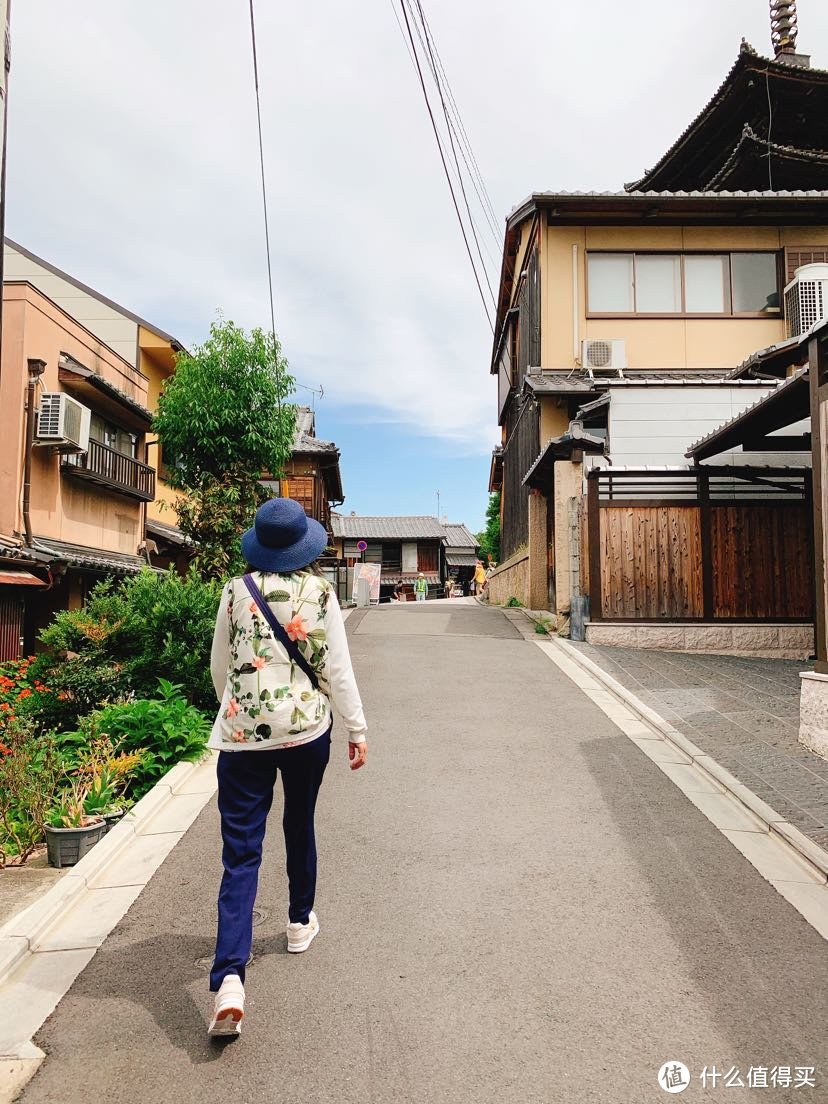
133	165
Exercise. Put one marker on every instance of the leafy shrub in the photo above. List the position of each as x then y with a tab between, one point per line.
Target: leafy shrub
116	645
166	730
30	776
515	603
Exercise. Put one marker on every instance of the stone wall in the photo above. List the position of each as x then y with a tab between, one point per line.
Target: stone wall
813	712
510	580
760	641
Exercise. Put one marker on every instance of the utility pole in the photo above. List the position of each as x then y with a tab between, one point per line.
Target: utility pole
438	505
5	15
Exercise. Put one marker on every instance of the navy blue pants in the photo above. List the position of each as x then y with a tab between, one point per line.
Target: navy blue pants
245	793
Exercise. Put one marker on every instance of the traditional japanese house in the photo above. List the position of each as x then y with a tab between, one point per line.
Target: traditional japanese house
73	464
312	475
461	555
622	316
404	546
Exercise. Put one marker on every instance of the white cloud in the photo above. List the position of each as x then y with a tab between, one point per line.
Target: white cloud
133	164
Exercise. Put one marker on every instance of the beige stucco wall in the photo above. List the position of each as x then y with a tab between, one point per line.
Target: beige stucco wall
107	323
62	508
510	580
157	361
662	342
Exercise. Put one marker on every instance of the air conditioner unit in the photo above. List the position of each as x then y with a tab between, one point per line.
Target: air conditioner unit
63	422
600	354
806	298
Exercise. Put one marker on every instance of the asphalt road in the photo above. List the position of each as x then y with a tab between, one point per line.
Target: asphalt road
516	906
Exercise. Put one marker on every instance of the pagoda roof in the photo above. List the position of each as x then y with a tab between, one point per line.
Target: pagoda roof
735	142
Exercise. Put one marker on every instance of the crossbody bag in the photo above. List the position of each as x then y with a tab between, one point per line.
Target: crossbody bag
290	646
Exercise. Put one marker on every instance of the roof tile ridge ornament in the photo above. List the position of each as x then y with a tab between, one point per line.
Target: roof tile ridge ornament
746	48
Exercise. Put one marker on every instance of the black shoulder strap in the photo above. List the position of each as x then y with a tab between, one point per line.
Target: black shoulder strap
289	645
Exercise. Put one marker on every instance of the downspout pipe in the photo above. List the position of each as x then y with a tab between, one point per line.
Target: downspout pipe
36	369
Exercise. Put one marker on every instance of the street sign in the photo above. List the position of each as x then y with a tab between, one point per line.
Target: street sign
362	546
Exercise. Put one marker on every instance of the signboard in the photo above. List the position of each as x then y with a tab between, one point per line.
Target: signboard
371	572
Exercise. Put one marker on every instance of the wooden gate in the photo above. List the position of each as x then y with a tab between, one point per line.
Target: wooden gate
703	544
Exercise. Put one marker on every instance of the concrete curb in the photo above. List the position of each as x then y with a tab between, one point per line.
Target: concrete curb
813	855
182	792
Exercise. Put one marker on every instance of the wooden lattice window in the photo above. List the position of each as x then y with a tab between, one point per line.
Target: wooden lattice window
300	487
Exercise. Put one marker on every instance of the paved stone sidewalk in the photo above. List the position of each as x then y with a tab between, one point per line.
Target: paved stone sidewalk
743	712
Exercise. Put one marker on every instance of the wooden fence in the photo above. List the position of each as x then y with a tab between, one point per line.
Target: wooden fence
704	544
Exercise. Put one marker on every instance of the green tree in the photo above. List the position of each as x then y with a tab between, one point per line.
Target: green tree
489	538
223	424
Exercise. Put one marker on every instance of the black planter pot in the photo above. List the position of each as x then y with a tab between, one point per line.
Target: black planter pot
67	846
112	818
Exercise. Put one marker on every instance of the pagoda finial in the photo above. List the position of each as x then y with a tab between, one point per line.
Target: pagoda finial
783	26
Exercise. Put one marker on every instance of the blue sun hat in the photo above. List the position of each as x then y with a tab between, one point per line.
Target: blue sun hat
283	537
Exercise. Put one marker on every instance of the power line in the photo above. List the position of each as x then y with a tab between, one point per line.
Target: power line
474	168
472	226
445	165
264	210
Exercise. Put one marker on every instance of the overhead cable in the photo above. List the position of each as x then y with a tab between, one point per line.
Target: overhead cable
445	165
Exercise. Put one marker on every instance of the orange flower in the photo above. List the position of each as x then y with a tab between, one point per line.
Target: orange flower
232	707
259	662
297	629
253	607
239	737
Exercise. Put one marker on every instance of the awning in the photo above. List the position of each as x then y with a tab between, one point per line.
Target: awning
99	392
409	578
461	559
20	578
91	559
168	533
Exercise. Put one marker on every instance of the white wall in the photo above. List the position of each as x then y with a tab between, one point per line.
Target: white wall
655	425
409	556
108	325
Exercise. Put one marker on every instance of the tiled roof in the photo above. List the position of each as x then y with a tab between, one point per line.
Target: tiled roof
746	60
356	527
304	439
80	555
458	536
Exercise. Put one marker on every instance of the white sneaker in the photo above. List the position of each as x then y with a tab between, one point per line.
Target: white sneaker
228	1012
300	936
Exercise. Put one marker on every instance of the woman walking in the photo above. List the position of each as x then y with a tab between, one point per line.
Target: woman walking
280	657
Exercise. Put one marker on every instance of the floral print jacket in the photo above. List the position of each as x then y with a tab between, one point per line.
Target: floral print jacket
266	699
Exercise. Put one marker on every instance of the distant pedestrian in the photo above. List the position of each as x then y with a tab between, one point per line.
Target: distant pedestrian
397	593
421	588
479	577
280	656
449	587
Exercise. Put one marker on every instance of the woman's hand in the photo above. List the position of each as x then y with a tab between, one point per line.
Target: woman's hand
357	754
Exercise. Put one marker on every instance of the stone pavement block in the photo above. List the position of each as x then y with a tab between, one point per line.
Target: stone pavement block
660	751
12	949
16	1072
810	900
89	921
30	923
32	993
200	780
176	815
726	813
689	779
138	863
773	859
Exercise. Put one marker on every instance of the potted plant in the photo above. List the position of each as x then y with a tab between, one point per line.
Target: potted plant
71	832
108	776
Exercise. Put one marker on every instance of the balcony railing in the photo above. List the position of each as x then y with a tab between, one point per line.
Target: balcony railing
112	469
